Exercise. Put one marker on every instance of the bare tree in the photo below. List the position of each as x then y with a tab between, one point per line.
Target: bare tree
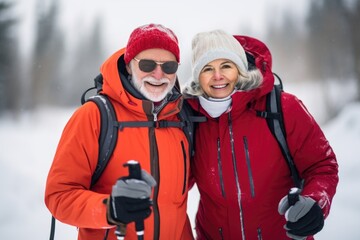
328	40
8	59
86	60
288	46
353	19
47	56
331	49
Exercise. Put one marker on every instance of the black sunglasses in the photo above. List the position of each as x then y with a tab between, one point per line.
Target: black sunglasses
147	65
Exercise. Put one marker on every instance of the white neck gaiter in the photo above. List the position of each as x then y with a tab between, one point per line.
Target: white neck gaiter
214	106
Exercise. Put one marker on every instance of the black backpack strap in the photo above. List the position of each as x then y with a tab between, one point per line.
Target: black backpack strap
108	133
110	127
188	126
274	119
98	81
149	124
189	120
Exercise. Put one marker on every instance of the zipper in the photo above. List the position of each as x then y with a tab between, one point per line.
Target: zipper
185	166
247	157
154	163
155	110
221	233
220	168
259	234
231	133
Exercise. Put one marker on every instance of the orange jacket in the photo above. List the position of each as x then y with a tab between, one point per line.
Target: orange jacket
163	152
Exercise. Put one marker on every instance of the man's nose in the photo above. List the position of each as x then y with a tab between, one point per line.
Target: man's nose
158	72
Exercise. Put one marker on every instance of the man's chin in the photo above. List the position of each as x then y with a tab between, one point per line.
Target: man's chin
156	97
155	94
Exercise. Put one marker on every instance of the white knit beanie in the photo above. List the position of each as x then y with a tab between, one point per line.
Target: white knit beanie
208	46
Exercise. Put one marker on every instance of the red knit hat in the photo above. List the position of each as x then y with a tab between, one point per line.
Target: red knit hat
151	36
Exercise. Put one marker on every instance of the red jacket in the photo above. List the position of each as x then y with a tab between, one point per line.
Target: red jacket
240	171
160	151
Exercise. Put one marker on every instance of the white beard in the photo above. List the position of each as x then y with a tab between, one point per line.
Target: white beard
154	96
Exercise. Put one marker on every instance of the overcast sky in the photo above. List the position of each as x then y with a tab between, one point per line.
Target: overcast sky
185	18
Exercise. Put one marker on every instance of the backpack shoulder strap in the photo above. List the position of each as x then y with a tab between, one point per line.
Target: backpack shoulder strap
108	133
188	117
98	81
275	121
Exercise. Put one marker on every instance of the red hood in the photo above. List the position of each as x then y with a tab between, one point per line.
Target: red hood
112	85
263	61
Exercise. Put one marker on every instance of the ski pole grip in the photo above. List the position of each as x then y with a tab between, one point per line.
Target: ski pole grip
293	195
135	173
134	169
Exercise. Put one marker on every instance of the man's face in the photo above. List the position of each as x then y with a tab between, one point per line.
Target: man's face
155	84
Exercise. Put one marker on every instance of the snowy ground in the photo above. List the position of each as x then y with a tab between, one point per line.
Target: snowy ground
27	148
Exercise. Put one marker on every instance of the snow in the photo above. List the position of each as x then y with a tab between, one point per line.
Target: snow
29	143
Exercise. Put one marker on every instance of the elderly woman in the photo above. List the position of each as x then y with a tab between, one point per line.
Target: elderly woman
239	169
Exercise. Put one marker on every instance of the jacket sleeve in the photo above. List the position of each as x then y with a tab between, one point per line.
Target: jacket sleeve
67	193
311	151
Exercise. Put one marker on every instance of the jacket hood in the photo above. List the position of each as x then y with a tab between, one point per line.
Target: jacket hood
259	54
113	75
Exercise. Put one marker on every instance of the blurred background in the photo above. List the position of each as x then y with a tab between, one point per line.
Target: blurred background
51	50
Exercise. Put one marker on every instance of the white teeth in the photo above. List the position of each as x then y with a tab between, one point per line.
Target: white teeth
156	84
219	86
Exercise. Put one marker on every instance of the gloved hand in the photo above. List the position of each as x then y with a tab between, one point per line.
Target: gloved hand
130	199
304	218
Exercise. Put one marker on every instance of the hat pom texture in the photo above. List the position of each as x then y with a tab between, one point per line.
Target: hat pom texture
151	36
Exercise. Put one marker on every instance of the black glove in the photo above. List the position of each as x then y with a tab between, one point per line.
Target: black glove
130	199
304	218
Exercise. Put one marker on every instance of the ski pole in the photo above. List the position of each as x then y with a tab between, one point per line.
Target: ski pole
120	231
135	173
293	195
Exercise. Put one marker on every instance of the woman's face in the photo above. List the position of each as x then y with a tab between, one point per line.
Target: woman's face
218	78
